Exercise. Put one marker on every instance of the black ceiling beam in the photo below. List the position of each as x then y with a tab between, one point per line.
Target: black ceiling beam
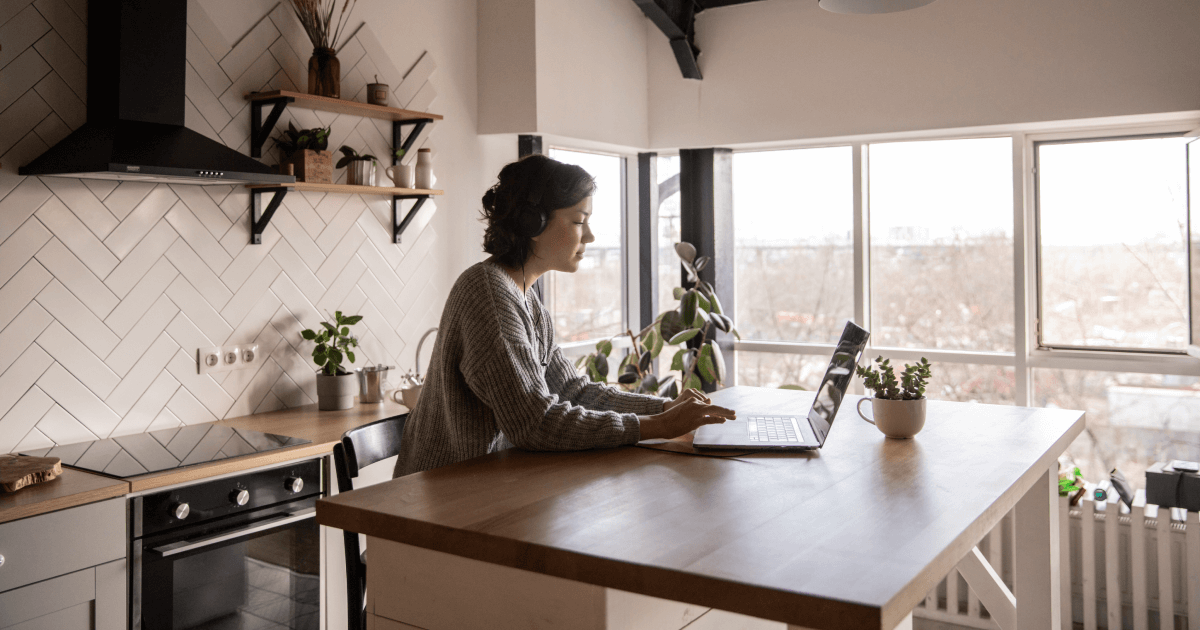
677	20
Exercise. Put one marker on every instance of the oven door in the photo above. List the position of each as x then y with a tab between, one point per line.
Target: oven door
260	571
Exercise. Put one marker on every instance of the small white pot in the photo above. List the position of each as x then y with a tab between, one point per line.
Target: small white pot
336	392
896	418
360	173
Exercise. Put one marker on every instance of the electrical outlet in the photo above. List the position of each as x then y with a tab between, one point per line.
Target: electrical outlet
248	355
227	358
208	360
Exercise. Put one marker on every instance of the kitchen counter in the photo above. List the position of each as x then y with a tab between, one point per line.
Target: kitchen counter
71	488
322	428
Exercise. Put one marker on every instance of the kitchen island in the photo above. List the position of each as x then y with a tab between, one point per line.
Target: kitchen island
852	536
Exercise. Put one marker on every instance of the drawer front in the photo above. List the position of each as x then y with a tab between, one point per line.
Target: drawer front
49	545
38	600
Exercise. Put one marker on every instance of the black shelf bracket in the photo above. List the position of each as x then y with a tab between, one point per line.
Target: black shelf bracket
401	142
261	129
260	217
399	225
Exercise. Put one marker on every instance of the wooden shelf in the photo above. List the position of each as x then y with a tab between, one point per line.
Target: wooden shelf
339	106
345	188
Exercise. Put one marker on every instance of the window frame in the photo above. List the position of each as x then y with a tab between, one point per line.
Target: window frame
1027	354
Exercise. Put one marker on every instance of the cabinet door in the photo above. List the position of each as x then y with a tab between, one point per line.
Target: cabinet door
91	599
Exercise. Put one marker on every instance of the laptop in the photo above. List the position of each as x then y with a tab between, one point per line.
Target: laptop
793	431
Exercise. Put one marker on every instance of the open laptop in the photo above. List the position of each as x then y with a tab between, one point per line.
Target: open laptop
793	431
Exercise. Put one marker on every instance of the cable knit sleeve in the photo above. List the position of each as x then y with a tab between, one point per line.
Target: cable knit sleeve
503	368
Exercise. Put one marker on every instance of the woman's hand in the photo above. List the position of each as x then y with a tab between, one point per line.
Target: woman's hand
685	415
688	394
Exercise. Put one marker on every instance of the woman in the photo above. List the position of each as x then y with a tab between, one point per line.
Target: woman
497	379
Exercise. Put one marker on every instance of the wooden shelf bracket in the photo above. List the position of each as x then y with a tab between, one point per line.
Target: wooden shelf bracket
399	225
261	129
260	217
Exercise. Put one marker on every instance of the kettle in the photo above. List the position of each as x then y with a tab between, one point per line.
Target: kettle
372	382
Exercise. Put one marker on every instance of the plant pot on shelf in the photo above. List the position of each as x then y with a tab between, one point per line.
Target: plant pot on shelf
314	167
360	173
336	392
325	73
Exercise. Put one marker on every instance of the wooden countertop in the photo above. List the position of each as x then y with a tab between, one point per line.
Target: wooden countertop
322	428
71	488
853	535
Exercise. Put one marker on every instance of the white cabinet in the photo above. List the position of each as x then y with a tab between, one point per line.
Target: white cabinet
65	570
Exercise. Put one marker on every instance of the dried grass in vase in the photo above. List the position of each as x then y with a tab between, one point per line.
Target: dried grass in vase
325	25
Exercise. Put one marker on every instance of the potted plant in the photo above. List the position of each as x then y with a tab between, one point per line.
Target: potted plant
360	167
324	25
305	149
335	385
899	404
691	326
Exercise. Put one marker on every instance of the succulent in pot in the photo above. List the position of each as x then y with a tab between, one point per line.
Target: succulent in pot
898	407
306	150
360	167
335	384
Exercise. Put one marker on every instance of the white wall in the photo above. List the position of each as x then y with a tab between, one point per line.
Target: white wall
507	66
784	69
107	289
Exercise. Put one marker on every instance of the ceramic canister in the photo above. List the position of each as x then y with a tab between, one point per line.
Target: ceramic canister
424	169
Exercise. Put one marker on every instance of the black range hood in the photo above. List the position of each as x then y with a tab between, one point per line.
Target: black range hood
136	72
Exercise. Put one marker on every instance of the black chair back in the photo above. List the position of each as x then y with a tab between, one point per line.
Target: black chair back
358	449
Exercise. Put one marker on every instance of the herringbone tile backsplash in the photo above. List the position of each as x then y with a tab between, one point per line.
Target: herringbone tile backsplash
108	289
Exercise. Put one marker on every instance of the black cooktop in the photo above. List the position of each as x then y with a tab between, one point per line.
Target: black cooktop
167	449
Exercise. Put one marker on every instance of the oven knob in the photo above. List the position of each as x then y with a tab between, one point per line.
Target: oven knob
240	497
295	484
181	510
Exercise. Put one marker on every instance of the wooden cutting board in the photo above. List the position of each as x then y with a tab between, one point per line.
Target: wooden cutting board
18	472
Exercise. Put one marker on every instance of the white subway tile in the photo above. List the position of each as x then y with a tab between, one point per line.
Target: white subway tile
60	426
20	117
149	407
248	256
16	337
69	66
378	296
270	403
258	319
424	100
198	237
33	441
139	339
390	283
20	75
101	187
199	274
21	247
290	62
78	400
304	214
206	210
18	292
382	330
251	293
52	129
66	22
252	79
200	22
78	360
381	239
299	306
83	201
12	9
187	335
141	220
388	73
69	270
194	120
215	81
341	255
413	81
63	99
341	285
300	241
295	269
144	259
77	318
122	200
250	48
329	205
22	416
143	373
20	204
144	293
206	102
417	255
337	229
76	236
201	389
258	389
165	420
206	318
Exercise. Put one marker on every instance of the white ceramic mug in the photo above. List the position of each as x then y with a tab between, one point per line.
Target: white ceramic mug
895	418
407	396
402	175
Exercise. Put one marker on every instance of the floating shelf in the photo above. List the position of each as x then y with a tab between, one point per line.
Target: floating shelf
261	128
260	216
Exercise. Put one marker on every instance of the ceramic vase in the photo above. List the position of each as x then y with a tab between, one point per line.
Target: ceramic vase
900	419
424	177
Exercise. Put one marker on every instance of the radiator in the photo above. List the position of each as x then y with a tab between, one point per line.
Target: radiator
1153	564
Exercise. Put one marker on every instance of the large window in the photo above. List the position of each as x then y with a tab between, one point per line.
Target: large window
587	304
793	214
670	272
1112	218
941	244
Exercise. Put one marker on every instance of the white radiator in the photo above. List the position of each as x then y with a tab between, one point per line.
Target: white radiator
1155	568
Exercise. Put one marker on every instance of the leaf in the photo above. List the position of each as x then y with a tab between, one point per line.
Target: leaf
604	347
687	306
716	302
352	320
650	383
693	382
628	378
677	292
706	364
686	251
701	319
308	334
329	327
793	387
718	358
350	355
644	361
601	363
701	263
721	322
703	303
658	345
624	365
593	374
579	362
345	331
672	391
672	324
335	356
684	336
677	360
689	359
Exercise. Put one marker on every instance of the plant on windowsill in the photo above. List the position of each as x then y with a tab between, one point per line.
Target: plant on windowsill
335	384
899	404
691	326
360	167
305	150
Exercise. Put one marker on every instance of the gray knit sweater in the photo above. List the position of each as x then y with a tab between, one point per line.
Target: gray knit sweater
497	380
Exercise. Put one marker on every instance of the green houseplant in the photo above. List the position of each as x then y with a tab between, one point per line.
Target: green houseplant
306	150
360	167
335	384
690	328
899	404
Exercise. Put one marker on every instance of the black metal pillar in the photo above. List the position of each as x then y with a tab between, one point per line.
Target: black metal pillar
648	202
528	145
706	221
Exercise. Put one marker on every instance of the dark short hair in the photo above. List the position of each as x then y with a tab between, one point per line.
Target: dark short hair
530	186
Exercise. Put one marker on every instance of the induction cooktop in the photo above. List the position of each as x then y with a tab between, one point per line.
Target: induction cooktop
166	449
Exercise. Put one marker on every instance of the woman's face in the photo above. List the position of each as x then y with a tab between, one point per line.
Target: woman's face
560	247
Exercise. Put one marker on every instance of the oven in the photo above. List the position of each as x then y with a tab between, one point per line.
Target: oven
233	553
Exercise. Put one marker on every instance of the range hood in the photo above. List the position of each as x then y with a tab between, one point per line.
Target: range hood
135	106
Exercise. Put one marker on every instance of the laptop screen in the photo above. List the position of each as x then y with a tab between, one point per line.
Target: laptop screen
837	378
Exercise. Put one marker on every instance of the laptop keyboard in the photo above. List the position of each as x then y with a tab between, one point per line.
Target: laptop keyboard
772	429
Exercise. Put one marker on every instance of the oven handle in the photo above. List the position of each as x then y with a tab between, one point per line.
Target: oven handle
189	545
